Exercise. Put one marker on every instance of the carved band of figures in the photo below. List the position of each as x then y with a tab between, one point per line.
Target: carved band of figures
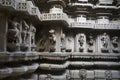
21	36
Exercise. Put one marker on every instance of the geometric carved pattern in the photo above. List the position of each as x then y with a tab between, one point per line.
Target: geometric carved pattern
108	75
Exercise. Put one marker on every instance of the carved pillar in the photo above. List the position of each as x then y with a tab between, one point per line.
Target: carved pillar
3	32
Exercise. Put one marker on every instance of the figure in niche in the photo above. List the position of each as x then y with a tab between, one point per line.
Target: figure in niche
90	43
104	40
33	31
25	35
81	41
13	35
63	46
115	44
52	40
83	74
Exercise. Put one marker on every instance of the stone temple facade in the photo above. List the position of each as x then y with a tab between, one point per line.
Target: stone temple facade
59	39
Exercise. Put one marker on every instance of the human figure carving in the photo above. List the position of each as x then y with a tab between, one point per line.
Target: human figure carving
52	40
25	34
81	41
115	43
104	40
33	30
13	36
14	31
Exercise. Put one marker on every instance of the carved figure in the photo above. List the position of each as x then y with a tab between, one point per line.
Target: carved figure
25	34
115	44
14	31
82	74
63	46
52	40
33	31
81	41
104	40
13	36
90	43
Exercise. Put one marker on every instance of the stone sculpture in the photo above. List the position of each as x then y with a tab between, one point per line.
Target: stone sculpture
25	35
90	43
52	40
115	44
13	37
81	41
104	41
82	74
63	46
33	31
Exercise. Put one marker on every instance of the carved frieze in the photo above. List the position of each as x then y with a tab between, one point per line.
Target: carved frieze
104	43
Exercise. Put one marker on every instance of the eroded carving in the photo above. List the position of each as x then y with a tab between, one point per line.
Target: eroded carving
108	75
52	40
49	77
81	41
115	44
63	44
25	36
33	31
13	36
83	74
90	43
104	41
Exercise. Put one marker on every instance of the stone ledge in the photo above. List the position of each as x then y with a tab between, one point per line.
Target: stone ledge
18	56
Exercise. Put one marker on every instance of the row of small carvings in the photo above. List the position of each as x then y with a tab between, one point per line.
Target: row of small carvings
20	35
5	72
83	74
21	5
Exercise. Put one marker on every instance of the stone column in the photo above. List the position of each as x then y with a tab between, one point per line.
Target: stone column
3	32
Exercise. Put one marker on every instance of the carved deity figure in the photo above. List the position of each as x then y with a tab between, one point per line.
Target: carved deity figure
25	32
14	31
104	40
63	46
33	31
90	43
52	40
115	43
13	36
81	41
